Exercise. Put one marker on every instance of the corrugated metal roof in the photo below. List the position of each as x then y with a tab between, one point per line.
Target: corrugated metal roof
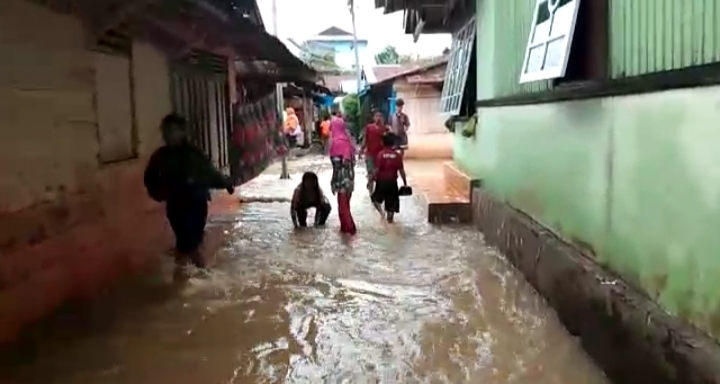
383	72
334	82
415	69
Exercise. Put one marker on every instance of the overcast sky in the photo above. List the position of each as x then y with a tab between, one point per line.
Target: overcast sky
302	19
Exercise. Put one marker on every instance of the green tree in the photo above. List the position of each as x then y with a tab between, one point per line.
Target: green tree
351	110
389	55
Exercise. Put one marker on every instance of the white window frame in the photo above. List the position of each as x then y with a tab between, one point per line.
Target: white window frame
563	36
455	77
115	107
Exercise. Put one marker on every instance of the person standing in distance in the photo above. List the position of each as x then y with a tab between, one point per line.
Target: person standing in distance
399	125
373	143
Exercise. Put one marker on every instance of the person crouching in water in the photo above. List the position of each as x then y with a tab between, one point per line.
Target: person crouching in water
309	195
388	165
180	174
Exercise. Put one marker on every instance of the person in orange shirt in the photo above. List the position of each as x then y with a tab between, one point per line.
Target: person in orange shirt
291	124
324	130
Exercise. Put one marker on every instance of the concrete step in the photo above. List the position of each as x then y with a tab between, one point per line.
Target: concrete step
447	193
456	179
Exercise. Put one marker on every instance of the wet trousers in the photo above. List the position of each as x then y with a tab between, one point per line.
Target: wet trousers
347	224
343	183
187	219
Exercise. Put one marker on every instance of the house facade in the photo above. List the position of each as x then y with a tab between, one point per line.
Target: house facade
596	118
626	165
83	87
340	43
420	86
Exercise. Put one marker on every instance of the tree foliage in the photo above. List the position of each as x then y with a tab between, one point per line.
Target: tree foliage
322	62
390	55
351	111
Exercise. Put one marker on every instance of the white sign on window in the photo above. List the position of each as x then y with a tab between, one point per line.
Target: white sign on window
550	40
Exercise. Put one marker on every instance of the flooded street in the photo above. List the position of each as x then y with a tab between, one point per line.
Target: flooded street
401	303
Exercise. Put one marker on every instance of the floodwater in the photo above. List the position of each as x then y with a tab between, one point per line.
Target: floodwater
401	303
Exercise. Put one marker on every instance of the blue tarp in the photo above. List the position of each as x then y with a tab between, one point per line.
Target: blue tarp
325	100
391	101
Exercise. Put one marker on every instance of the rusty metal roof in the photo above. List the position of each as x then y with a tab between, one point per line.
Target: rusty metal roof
415	70
432	13
232	28
383	72
334	82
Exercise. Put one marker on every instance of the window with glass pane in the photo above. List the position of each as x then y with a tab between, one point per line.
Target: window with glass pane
457	69
550	39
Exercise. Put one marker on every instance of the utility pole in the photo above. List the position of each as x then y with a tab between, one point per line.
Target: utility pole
284	174
351	4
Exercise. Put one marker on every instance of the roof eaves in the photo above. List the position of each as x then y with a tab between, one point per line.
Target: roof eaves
435	63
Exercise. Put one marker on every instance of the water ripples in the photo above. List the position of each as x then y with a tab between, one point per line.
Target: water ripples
401	303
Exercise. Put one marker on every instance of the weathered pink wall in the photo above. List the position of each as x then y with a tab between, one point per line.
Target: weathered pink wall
105	234
69	225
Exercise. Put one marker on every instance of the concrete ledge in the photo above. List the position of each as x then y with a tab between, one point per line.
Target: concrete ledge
454	205
630	337
447	213
456	179
448	198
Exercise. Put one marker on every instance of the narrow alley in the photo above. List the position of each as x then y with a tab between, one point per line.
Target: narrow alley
402	303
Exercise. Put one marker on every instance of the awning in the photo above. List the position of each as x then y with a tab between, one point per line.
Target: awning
272	72
181	26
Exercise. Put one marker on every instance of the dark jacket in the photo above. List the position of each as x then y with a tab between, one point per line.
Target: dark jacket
179	172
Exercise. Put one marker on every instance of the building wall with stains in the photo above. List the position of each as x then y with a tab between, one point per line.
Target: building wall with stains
634	179
422	105
69	224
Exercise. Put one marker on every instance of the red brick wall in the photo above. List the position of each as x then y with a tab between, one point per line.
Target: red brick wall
105	235
74	248
69	225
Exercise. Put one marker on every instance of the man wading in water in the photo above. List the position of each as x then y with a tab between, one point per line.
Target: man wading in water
180	174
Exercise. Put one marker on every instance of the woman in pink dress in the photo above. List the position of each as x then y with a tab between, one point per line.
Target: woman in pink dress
342	156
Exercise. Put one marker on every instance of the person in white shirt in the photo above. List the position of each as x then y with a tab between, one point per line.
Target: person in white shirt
299	136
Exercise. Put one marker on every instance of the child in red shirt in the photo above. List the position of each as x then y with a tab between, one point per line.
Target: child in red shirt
388	165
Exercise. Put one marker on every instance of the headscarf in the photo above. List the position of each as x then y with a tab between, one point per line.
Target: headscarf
341	145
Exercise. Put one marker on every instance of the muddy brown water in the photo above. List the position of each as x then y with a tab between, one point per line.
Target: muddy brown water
401	303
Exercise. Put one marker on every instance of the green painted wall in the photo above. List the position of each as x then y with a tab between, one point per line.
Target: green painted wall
502	38
635	178
654	35
645	36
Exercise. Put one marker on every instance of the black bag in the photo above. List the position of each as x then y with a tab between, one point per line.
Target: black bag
405	191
